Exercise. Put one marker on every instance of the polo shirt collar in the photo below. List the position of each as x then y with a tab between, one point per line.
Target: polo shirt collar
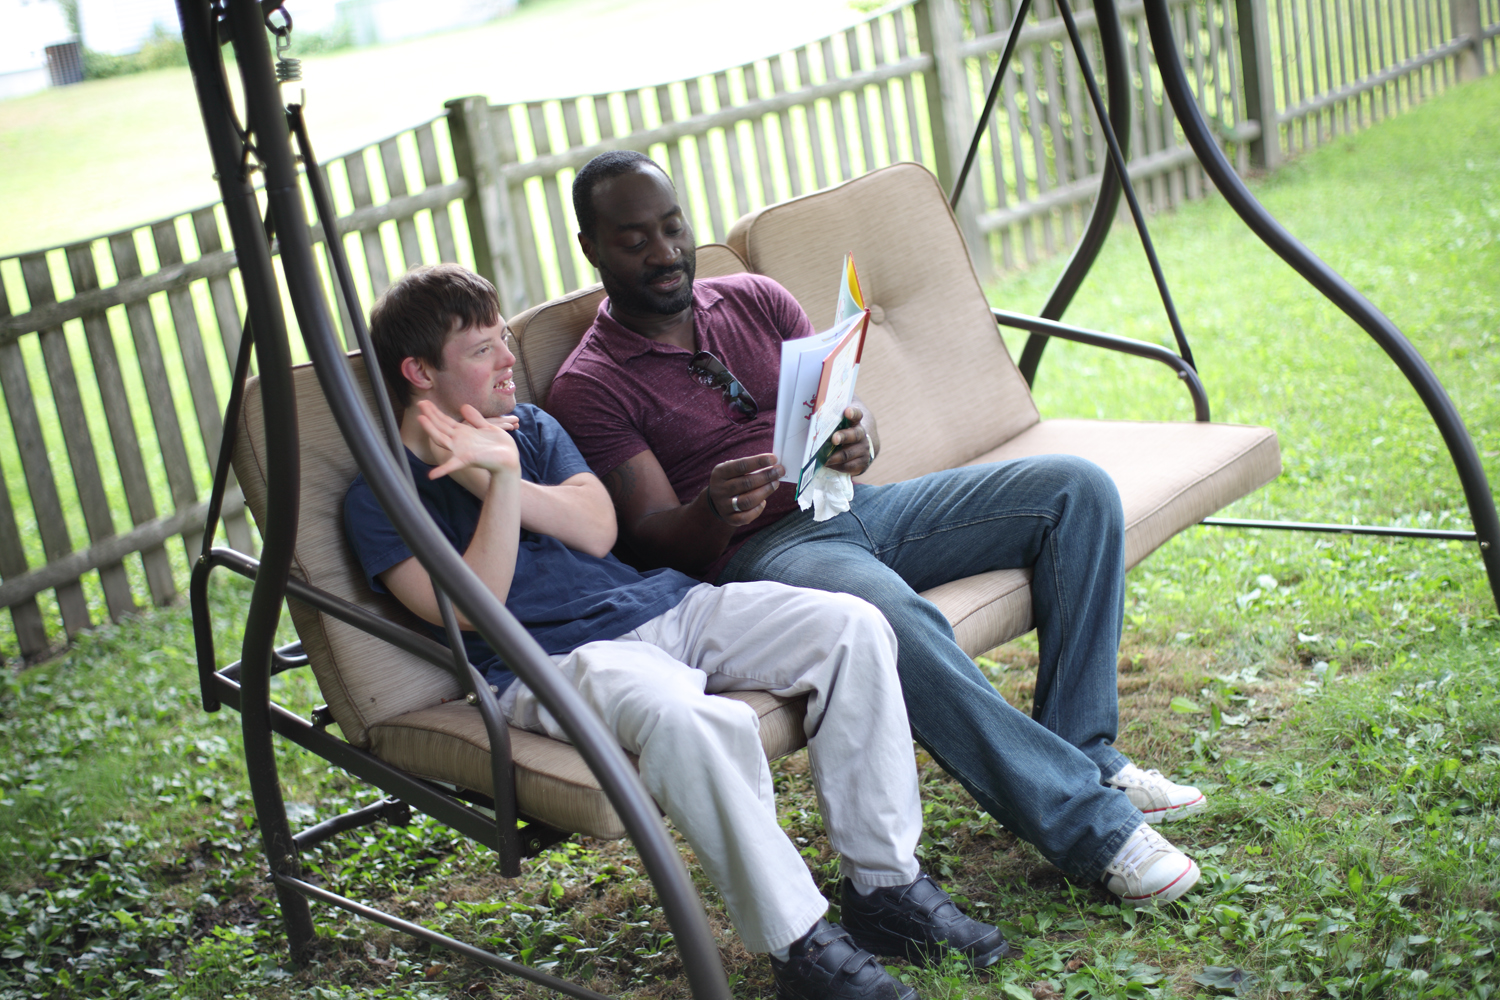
622	343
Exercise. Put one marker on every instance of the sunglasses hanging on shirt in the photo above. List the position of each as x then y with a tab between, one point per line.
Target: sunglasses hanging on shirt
713	373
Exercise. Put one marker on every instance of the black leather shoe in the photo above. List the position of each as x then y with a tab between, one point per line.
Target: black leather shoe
826	965
918	922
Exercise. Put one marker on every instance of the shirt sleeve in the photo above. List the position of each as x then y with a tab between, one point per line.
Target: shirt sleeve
786	312
557	458
596	422
375	541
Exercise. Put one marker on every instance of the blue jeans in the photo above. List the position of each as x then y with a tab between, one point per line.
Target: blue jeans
1060	515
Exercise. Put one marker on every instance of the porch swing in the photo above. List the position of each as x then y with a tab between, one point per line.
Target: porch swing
417	720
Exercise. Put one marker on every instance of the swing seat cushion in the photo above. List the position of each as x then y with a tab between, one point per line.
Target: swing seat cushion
553	784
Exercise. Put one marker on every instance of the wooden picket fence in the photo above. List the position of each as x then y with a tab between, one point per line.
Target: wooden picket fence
116	356
1338	67
733	141
1488	29
116	353
905	85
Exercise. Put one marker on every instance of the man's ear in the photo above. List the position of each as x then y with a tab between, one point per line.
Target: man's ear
587	246
416	371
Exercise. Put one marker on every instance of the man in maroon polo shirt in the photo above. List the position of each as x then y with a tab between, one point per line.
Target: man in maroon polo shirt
640	378
686	458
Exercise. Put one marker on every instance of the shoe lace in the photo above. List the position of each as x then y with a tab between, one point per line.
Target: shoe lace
1130	774
1144	844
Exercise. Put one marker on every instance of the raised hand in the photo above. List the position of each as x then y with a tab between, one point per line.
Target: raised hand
473	443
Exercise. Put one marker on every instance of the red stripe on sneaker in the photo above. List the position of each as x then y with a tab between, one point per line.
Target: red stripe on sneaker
1158	892
1167	809
1169	885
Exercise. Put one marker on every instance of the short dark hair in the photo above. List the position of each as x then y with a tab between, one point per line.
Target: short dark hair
416	316
602	168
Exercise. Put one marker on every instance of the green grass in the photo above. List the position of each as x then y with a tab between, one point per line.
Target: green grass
1336	697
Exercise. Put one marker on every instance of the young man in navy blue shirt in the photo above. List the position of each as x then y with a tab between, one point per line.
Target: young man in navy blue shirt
511	492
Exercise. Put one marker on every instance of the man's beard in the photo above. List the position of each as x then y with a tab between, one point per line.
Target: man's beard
640	298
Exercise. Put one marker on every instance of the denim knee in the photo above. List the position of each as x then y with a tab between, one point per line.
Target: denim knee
1087	486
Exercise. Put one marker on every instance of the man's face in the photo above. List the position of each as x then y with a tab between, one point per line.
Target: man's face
643	246
478	369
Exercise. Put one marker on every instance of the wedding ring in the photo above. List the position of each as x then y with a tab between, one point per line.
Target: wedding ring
734	504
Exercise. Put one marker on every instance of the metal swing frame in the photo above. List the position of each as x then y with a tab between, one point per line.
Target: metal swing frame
1114	120
245	685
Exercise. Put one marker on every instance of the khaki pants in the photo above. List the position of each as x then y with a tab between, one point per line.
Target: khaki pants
701	757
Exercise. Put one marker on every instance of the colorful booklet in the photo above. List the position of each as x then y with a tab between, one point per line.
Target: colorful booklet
817	384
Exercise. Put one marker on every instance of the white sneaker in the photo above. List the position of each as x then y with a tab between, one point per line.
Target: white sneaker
1149	871
1158	799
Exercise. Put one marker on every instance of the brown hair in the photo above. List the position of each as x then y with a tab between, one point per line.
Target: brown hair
416	316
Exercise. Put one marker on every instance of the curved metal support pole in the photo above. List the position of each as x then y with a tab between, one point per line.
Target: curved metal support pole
1333	286
509	844
1122	167
989	102
1110	342
1102	217
433	937
282	465
594	743
317	183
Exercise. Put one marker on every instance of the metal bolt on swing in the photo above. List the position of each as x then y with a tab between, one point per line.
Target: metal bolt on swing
473	698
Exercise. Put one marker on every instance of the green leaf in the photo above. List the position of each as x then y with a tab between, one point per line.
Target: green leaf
1184	706
1229	979
1016	992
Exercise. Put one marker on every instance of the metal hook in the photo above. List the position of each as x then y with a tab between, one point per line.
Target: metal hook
288	68
282	30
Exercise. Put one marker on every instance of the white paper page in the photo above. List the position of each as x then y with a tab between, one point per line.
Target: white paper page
793	388
840	394
805	394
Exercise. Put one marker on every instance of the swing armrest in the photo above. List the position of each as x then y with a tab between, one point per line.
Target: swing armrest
1125	345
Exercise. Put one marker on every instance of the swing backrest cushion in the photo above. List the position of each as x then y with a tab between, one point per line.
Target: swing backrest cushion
364	679
934	369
